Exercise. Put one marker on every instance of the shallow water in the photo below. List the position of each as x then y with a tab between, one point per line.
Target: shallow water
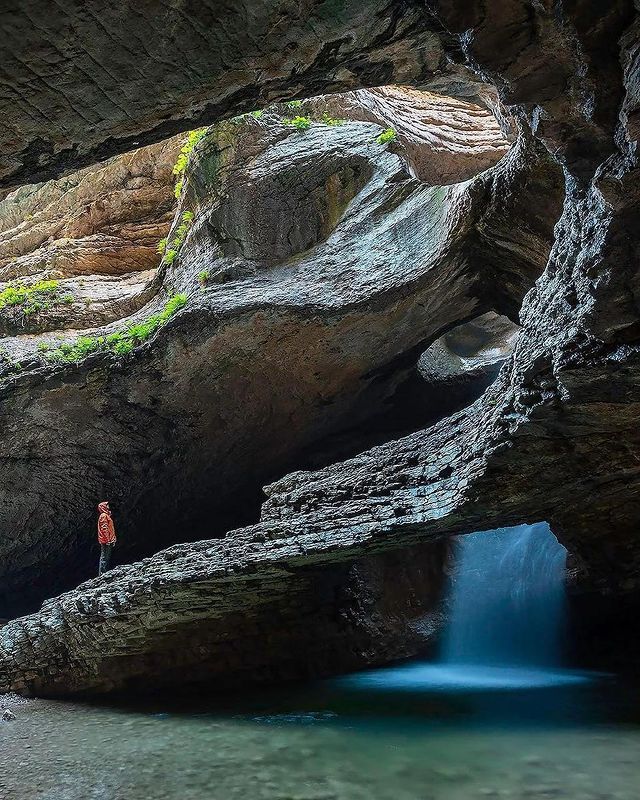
354	738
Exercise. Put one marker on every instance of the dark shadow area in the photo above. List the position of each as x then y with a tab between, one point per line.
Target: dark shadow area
603	631
453	372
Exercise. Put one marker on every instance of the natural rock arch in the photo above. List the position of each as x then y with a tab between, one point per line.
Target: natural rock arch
554	438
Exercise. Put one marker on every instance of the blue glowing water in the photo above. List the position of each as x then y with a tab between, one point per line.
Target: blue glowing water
438	731
506	617
507	602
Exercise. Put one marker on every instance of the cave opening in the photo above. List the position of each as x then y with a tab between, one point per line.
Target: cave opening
504	619
411	390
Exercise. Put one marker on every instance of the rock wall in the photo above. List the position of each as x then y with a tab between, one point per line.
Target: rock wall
86	82
139	629
94	233
555	437
328	269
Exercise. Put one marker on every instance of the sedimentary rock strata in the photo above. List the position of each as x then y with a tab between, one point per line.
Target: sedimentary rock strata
93	234
444	139
288	333
555	437
86	83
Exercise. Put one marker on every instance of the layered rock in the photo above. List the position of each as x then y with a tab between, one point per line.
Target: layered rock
105	219
86	83
555	437
175	619
444	139
293	333
95	233
79	89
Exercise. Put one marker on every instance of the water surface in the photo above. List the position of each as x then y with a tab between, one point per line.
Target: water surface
496	717
339	739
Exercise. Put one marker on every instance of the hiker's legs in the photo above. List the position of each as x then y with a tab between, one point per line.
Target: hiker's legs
105	557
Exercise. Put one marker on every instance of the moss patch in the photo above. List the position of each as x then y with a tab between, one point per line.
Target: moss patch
18	301
120	342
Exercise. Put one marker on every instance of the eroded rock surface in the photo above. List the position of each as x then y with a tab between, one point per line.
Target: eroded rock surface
329	268
94	233
445	140
555	437
85	83
172	619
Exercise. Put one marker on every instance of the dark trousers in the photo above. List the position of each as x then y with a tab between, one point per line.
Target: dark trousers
105	557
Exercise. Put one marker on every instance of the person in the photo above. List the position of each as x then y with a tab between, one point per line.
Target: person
106	536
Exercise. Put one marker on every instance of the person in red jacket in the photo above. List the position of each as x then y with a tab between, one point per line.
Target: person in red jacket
106	536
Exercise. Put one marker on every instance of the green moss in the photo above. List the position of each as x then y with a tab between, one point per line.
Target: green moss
29	300
389	135
121	342
188	146
20	295
301	123
294	104
170	251
333	121
203	276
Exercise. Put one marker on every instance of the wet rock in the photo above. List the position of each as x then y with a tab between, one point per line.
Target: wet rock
554	438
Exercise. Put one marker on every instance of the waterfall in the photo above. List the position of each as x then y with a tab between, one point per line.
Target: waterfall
505	613
507	598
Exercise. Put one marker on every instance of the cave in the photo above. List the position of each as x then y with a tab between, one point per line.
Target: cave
313	294
275	381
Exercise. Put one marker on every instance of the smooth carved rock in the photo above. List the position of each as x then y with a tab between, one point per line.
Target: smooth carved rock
296	333
556	437
445	140
473	350
89	82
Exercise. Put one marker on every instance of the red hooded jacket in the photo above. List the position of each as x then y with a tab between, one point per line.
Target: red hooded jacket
106	531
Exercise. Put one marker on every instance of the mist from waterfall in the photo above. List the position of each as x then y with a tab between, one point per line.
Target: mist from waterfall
507	598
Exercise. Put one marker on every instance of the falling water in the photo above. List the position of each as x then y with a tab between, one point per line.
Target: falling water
506	613
507	598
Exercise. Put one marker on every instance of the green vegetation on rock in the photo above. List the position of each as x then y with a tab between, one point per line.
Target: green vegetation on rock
301	123
189	145
121	342
24	301
169	250
389	135
329	120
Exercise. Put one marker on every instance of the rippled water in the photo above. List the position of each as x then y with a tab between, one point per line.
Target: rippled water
356	738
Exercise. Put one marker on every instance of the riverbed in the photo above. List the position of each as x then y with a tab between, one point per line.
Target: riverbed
343	739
